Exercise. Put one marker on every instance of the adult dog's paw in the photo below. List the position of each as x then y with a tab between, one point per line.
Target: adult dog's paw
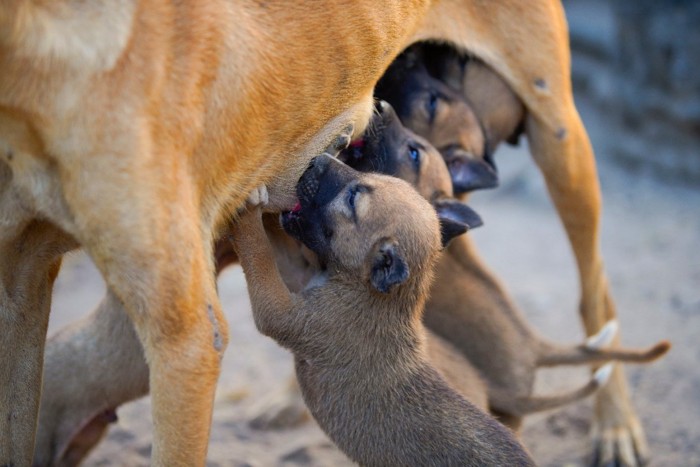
618	436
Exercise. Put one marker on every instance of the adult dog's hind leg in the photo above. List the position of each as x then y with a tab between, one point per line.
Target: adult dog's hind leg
568	165
540	74
31	258
90	368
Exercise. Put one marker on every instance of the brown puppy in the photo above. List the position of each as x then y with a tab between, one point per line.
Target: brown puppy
498	108
500	344
356	329
441	115
122	122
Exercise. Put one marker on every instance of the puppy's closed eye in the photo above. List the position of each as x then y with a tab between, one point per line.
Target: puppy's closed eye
352	196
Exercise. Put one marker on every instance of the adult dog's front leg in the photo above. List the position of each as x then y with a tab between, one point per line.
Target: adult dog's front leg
148	241
567	163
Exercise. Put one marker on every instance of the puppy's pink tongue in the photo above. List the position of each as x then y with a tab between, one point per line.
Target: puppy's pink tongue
297	207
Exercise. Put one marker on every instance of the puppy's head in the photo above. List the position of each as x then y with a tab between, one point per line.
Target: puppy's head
390	148
365	226
443	116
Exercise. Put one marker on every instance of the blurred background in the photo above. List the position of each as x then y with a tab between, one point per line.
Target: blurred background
639	63
636	71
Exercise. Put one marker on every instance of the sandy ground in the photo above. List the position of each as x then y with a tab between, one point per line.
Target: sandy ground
651	236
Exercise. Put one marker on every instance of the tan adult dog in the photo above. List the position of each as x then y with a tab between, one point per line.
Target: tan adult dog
356	331
134	129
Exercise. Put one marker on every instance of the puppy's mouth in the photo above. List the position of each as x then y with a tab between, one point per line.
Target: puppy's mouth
363	153
319	185
307	187
293	214
356	149
292	223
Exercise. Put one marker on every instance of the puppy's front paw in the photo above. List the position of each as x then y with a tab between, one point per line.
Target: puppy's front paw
258	197
249	218
341	141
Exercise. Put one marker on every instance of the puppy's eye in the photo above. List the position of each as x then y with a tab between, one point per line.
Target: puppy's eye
351	197
414	154
431	105
352	193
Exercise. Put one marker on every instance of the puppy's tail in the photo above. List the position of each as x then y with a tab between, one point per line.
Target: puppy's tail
521	406
593	351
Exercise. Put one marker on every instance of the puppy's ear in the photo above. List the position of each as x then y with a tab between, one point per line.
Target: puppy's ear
387	266
455	218
469	173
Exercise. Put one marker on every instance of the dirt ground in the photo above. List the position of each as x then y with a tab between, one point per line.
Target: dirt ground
650	240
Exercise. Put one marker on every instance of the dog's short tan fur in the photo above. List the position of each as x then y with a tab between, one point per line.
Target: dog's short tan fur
356	329
132	129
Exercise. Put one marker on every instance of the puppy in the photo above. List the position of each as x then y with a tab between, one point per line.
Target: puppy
356	329
441	115
500	345
499	110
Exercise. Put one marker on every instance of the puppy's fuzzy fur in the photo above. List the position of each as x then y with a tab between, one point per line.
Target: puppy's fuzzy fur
498	342
356	329
442	115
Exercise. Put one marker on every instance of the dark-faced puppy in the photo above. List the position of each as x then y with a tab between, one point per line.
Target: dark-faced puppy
443	116
356	329
500	344
498	108
390	148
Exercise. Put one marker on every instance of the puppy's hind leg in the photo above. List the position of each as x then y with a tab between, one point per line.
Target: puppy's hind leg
91	367
521	406
284	408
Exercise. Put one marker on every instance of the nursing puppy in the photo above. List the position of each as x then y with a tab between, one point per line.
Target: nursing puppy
356	329
498	342
499	110
441	115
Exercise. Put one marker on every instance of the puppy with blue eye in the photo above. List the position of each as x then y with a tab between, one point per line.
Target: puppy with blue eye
442	115
498	342
356	330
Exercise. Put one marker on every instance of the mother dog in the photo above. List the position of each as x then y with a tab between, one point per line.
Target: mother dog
134	128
